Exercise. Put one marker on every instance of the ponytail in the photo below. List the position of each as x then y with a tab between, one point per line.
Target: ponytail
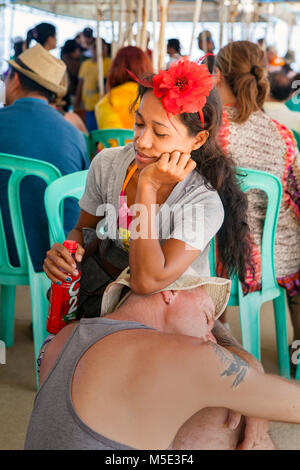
40	33
32	34
242	65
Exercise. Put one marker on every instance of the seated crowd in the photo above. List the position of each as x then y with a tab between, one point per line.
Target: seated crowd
169	365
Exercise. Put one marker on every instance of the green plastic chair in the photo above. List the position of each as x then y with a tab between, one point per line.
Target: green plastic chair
249	305
106	136
297	376
11	276
88	145
72	185
297	138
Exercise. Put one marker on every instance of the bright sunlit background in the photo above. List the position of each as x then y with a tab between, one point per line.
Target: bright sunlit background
18	20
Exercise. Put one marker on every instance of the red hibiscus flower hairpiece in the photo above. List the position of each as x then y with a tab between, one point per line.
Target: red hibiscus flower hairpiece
183	88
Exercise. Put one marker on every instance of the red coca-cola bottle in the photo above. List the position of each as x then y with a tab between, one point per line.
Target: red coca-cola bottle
63	302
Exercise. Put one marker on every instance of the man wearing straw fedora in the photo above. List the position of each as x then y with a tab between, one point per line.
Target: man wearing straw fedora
30	127
155	372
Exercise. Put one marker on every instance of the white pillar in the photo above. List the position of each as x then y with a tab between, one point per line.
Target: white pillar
154	37
162	40
99	53
196	19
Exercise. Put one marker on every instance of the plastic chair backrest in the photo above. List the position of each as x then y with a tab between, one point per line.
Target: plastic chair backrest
72	185
107	137
88	144
271	185
297	138
20	167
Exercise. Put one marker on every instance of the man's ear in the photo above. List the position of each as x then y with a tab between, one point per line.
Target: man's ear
169	296
200	139
15	82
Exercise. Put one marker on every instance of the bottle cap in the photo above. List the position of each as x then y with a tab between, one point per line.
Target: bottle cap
71	245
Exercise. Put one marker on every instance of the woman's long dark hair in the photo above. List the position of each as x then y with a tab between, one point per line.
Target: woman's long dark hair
219	172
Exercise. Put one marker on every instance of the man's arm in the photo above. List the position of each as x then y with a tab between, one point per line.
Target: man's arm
255	428
223	379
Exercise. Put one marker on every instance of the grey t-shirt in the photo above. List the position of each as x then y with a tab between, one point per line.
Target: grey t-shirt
192	213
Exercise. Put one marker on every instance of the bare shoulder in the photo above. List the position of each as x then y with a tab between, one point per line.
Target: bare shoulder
200	359
174	350
53	349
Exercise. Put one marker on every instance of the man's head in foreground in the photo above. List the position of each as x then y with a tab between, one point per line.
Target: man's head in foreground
190	305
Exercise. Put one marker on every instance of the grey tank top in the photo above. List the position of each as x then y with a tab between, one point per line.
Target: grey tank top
54	423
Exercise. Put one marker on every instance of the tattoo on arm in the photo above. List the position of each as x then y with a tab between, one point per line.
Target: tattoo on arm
235	365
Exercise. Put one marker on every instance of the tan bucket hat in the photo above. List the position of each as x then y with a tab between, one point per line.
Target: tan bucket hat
216	287
45	69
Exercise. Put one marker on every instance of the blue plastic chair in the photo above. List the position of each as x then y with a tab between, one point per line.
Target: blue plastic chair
249	305
108	137
65	187
11	276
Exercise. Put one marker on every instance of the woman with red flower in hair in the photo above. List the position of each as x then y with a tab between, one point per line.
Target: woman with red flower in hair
177	173
173	189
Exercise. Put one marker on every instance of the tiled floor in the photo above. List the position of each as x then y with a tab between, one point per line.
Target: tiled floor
17	378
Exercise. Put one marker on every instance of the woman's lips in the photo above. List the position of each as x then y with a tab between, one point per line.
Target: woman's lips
143	158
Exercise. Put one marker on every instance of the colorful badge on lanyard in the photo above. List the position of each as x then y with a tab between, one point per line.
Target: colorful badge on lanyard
125	216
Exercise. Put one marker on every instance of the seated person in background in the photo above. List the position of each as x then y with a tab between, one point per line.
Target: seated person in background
156	372
280	92
206	42
30	127
76	120
70	55
19	46
254	140
289	59
174	50
70	116
207	45
274	63
113	110
87	41
88	87
148	50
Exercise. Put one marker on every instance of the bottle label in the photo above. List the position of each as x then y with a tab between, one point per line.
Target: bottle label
73	301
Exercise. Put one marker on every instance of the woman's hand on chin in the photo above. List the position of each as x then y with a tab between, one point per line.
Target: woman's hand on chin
168	170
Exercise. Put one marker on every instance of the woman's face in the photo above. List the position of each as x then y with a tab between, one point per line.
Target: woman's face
51	43
154	133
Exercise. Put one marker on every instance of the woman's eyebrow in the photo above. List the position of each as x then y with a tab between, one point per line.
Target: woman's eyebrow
137	113
160	124
154	122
